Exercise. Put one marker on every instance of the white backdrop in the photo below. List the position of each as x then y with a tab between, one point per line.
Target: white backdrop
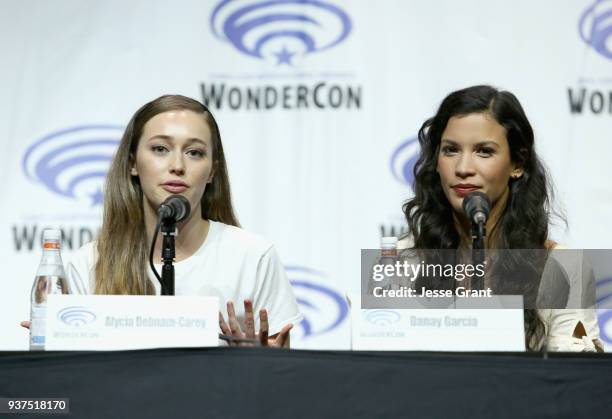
318	161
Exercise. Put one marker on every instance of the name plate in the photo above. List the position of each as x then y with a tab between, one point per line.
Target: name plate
119	322
439	329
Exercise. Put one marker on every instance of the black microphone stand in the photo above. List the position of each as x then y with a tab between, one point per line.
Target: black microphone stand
478	251
172	211
168	229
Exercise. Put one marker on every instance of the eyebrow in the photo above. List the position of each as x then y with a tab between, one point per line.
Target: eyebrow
481	143
170	138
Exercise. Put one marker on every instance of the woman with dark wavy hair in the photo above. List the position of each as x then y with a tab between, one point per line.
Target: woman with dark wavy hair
481	140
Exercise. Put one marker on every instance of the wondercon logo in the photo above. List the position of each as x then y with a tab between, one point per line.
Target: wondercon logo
595	27
76	316
323	308
403	159
381	317
73	162
280	29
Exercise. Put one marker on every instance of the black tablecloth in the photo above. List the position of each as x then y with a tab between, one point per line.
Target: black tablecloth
258	382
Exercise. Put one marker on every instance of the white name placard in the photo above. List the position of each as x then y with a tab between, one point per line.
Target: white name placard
116	322
438	329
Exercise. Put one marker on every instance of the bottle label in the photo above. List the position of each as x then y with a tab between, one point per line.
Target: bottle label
38	340
388	252
38	325
51	245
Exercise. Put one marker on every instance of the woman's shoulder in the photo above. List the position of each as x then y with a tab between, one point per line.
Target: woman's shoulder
85	254
553	245
80	269
239	239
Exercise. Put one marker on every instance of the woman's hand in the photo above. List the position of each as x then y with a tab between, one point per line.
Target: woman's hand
25	323
279	340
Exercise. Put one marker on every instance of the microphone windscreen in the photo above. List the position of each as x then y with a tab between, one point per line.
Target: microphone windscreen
176	207
476	202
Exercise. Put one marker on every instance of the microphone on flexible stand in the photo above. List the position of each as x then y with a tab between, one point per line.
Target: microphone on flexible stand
173	210
476	207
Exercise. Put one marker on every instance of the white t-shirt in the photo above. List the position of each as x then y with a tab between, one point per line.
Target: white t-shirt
231	264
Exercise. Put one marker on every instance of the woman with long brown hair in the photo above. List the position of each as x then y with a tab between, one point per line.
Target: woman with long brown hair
172	145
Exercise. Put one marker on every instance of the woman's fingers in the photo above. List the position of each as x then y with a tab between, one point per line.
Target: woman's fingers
233	321
232	326
263	327
25	324
224	327
249	319
283	335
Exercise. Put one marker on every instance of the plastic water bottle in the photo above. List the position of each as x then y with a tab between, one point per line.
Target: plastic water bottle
50	279
388	256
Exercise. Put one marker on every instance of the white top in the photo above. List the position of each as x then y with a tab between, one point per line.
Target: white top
231	264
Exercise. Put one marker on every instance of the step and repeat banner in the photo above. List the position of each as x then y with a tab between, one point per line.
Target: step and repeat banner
319	103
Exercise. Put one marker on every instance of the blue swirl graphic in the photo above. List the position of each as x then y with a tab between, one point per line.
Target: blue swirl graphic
604	292
595	26
381	317
604	319
76	155
403	159
305	284
250	27
76	316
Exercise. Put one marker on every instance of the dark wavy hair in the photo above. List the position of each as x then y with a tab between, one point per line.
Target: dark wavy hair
524	221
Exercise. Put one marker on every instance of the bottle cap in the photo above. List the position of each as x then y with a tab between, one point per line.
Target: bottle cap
388	242
52	234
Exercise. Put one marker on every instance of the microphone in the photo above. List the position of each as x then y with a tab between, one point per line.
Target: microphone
175	208
476	207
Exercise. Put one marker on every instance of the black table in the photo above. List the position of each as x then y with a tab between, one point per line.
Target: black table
266	383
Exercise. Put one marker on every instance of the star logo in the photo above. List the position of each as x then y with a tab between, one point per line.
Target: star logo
97	197
284	56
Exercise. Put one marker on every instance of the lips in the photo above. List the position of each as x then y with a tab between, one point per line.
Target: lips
464	189
174	186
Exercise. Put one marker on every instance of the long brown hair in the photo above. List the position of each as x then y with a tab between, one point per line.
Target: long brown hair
123	248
